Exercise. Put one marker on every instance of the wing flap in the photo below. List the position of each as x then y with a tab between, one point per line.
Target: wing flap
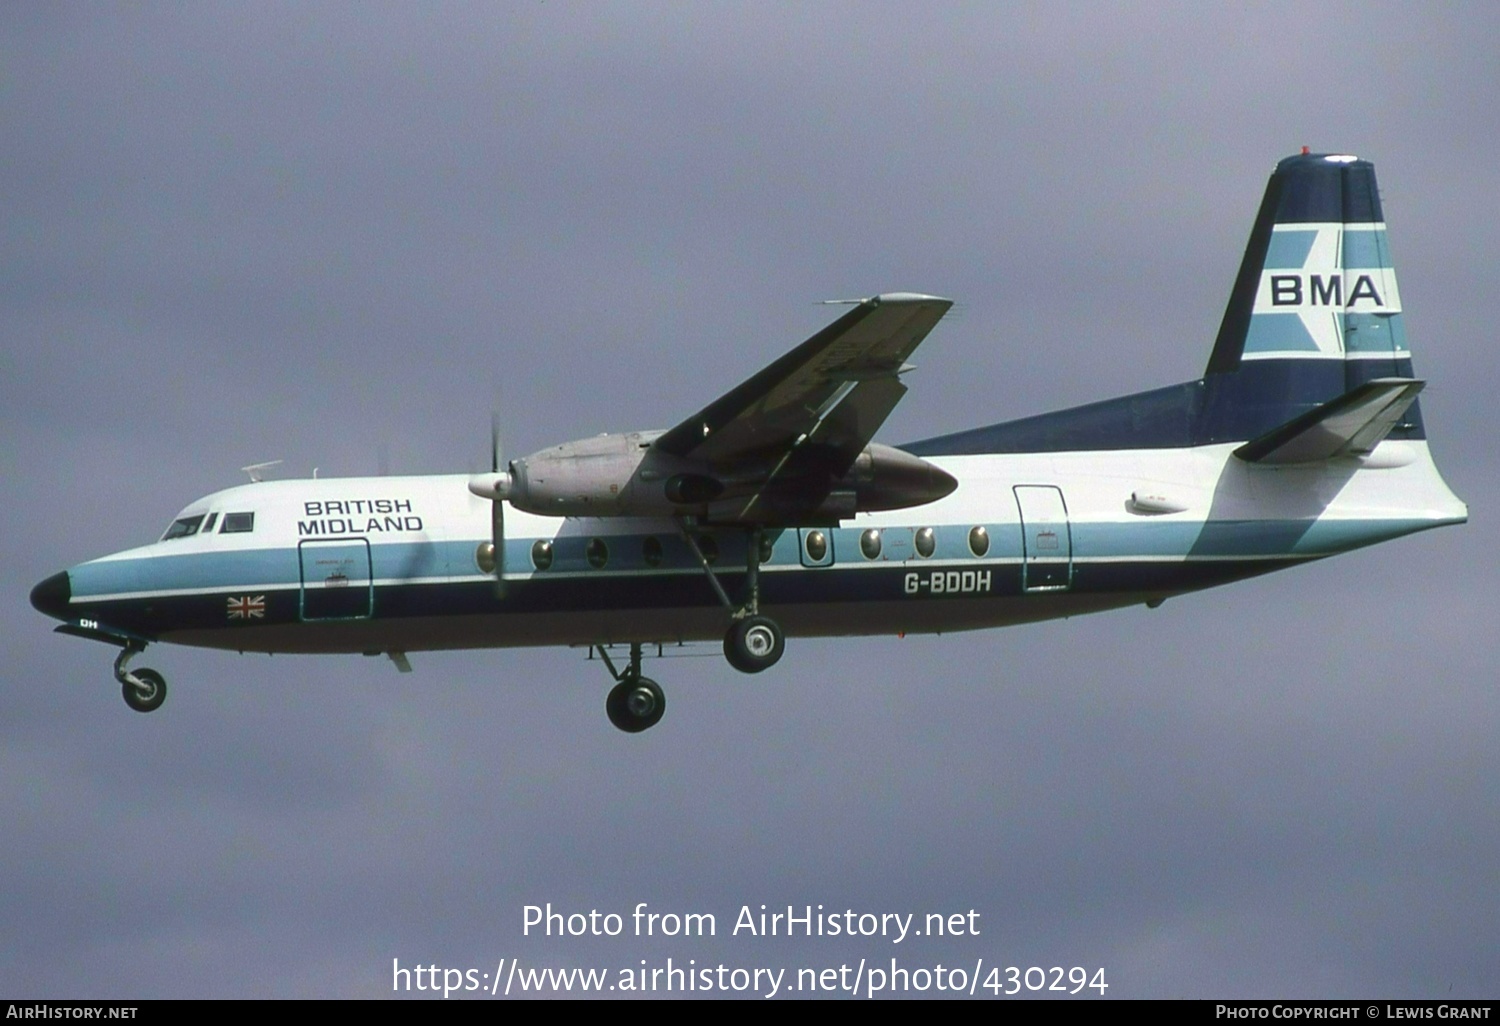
1351	425
834	442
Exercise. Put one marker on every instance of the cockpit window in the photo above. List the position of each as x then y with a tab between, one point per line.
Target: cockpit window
208	525
238	523
183	528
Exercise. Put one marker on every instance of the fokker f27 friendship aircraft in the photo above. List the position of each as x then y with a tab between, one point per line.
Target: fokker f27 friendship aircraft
771	512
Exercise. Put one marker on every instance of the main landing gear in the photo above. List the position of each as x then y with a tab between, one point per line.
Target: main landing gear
753	643
143	690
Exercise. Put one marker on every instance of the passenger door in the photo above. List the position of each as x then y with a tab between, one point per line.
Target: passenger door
336	580
1046	538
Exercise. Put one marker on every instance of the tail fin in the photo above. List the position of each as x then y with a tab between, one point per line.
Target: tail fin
1313	319
1317	280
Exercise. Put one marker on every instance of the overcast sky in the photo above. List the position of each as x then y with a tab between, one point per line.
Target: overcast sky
340	235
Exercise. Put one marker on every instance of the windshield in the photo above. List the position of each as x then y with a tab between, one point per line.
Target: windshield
182	528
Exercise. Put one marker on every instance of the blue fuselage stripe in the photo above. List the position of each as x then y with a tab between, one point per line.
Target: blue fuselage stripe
159	595
453	561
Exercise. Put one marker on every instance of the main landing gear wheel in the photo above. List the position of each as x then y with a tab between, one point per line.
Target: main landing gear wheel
754	644
148	695
635	705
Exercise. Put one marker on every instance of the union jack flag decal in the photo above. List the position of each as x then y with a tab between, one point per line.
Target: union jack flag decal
247	608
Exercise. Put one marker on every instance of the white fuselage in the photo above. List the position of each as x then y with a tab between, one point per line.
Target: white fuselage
391	564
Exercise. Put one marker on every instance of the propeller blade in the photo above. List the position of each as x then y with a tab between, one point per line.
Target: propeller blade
497	538
497	508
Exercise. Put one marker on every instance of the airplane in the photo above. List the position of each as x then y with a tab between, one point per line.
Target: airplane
772	512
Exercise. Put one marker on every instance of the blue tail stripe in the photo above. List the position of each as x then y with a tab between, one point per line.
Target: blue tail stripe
1374	333
1290	249
1364	248
1278	333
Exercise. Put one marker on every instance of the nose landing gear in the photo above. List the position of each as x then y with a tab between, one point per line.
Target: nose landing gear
635	703
634	706
144	690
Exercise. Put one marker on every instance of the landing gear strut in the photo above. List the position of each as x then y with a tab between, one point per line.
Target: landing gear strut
635	703
753	642
143	690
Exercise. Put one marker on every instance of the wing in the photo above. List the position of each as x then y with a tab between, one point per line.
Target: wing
828	396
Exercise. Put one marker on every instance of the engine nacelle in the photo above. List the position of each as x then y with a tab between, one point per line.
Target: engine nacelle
621	475
692	489
884	477
591	477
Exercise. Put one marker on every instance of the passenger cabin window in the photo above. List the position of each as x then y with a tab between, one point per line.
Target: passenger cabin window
238	523
183	528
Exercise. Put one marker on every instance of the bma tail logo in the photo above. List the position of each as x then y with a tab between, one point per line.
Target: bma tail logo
1327	290
1328	268
247	608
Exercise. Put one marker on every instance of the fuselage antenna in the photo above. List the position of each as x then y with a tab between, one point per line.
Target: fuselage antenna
257	470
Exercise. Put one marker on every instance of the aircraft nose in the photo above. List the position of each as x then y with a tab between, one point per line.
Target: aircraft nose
52	595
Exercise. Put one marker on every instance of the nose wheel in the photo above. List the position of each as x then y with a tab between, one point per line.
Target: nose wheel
635	705
148	694
143	690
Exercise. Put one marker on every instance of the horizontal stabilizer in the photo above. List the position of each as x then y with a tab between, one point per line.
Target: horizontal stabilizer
1351	425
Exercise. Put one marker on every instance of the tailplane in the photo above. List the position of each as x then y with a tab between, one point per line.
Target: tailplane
1351	425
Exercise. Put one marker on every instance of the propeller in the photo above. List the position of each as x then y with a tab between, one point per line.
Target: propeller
495	486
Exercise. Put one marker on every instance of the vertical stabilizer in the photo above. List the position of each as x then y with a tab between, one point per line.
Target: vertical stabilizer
1317	280
1311	359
